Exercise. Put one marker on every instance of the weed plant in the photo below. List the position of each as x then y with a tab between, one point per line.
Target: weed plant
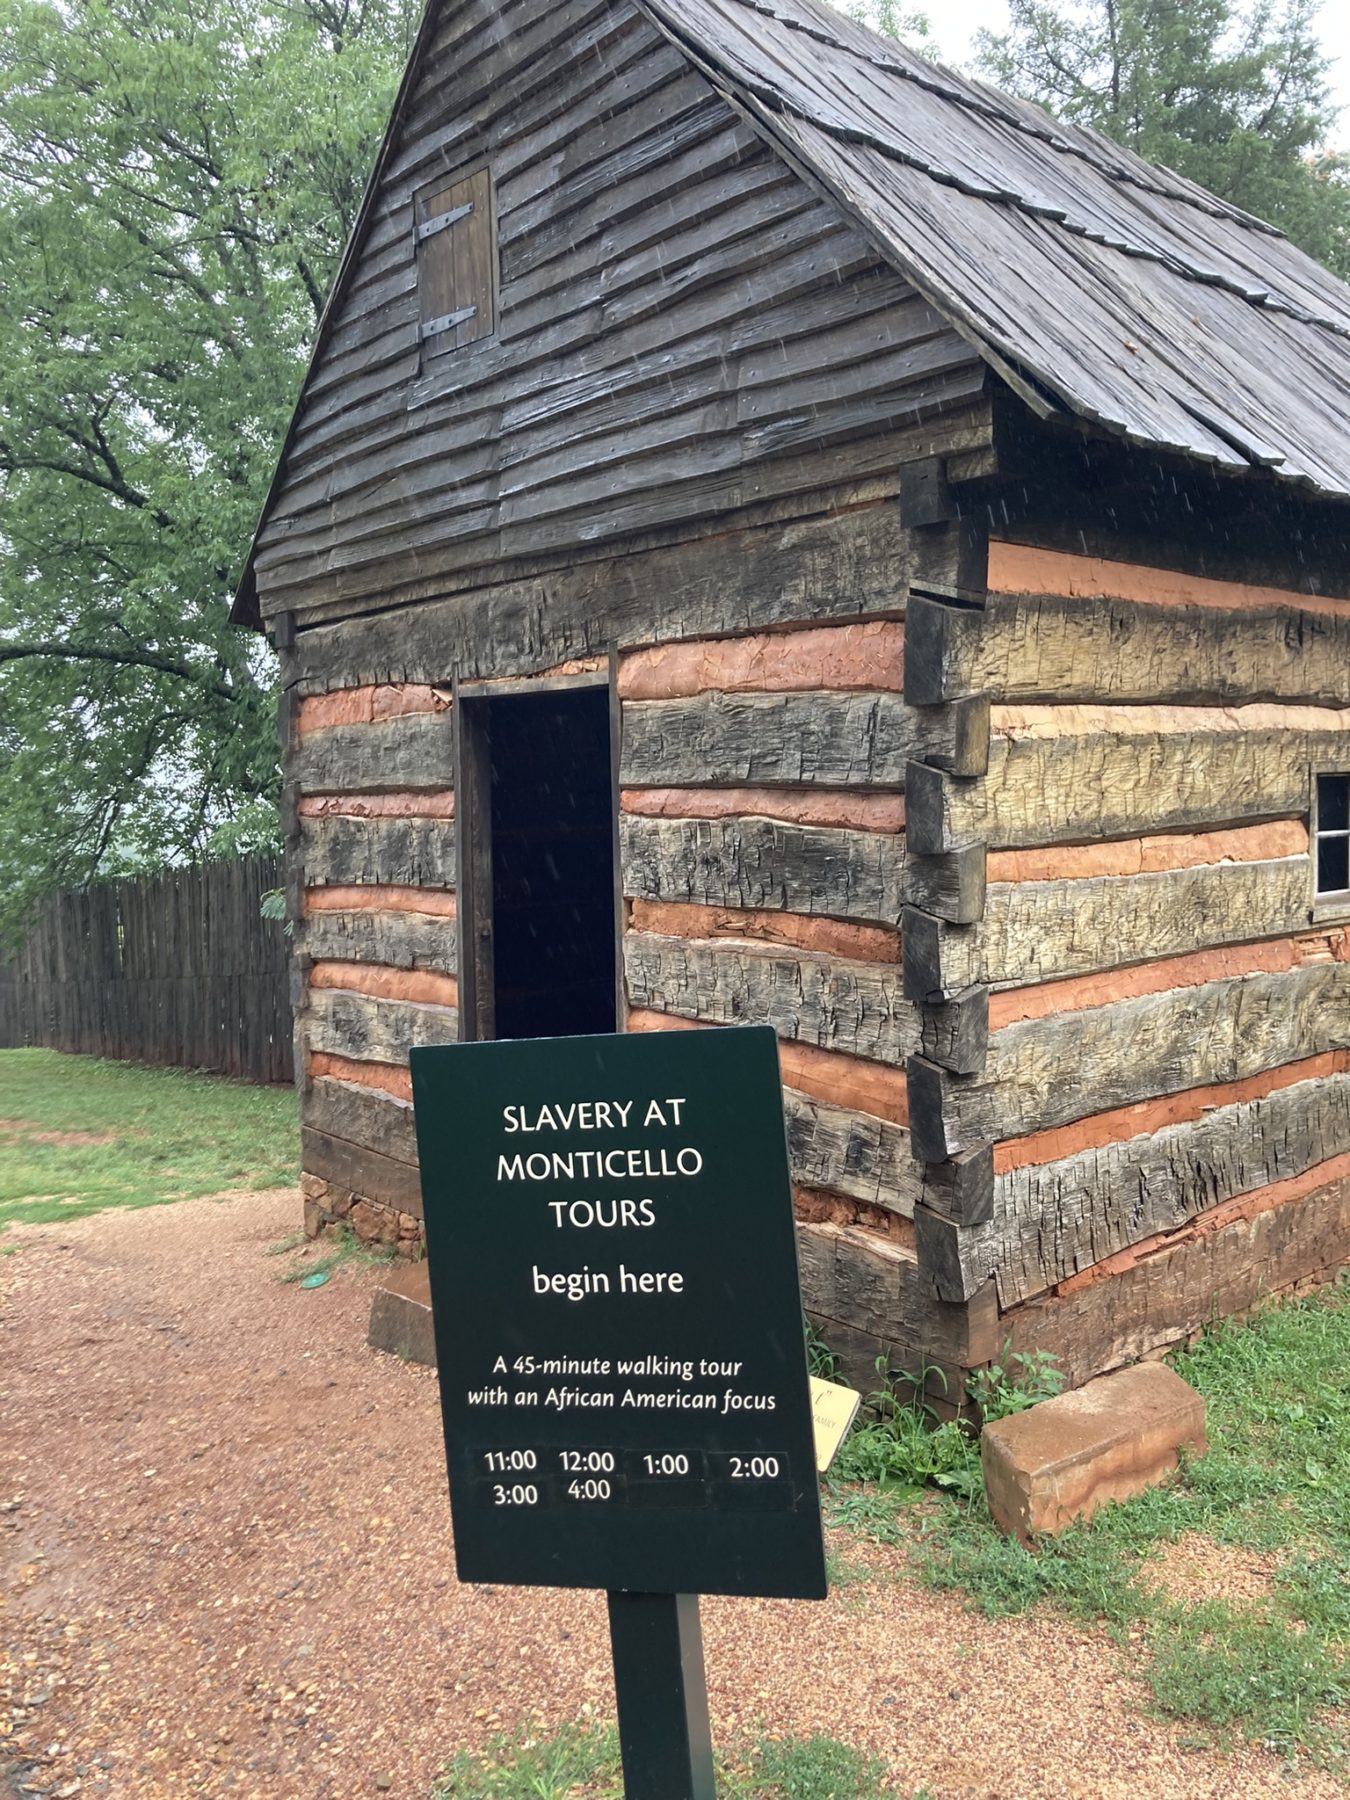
345	1250
581	1762
79	1135
902	1446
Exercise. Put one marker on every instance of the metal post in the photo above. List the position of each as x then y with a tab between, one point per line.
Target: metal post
663	1702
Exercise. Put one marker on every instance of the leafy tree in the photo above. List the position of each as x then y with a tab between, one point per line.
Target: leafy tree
1232	93
892	20
177	178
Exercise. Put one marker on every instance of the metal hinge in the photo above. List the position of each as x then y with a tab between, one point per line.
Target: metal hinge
442	222
448	321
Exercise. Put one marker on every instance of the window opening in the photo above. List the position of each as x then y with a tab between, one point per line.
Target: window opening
1331	837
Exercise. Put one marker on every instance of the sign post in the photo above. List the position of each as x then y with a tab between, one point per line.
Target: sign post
619	1336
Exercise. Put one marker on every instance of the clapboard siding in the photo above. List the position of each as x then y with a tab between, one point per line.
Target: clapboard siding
632	361
1036	931
1038	647
1055	1219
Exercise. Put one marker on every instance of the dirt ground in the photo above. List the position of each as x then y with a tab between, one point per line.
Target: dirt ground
227	1571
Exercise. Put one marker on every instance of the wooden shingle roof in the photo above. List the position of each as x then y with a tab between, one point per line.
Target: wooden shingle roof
1096	284
1099	287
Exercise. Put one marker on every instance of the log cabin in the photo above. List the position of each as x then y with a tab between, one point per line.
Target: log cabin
774	530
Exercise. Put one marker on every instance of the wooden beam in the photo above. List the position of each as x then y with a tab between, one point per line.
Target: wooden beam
957	1259
961	1189
749	861
795	740
854	1007
1152	1304
367	1117
1056	1219
362	1172
1084	786
350	852
842	565
852	1153
370	1030
397	940
1036	647
1046	930
1046	1072
402	755
757	862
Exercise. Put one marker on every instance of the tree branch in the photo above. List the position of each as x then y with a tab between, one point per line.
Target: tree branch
135	659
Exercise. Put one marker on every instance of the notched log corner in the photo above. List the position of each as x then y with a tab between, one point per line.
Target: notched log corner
962	1188
957	1259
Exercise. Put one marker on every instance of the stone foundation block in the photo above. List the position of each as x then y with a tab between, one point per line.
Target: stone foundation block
400	1315
1068	1456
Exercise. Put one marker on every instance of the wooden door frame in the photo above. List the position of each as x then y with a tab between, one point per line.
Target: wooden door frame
473	836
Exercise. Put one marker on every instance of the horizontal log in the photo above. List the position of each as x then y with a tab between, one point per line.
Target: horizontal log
873	1286
847	565
360	1171
370	1030
766	863
795	740
1046	1072
856	1008
853	1007
368	1117
398	940
1104	784
755	862
348	852
850	1153
1034	647
1209	1272
412	753
1053	1220
1043	930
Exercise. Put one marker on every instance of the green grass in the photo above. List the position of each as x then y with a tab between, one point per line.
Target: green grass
344	1249
1276	1481
581	1762
79	1135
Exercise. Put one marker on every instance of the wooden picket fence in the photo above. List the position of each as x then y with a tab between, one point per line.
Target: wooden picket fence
177	967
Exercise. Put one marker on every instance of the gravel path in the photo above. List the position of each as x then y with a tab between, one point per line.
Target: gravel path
227	1571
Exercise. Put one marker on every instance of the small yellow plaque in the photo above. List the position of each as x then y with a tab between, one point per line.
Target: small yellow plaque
833	1410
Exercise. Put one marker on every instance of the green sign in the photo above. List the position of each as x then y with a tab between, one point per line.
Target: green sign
618	1314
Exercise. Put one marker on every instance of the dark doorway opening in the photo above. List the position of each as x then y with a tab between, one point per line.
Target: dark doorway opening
539	837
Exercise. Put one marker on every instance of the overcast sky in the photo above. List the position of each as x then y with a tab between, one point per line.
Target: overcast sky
955	23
